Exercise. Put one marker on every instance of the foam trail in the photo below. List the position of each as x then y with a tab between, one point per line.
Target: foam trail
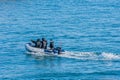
84	55
110	56
79	55
91	55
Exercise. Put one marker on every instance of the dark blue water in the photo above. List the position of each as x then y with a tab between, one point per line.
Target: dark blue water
87	29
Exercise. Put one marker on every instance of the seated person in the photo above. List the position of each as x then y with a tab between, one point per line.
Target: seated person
51	44
37	43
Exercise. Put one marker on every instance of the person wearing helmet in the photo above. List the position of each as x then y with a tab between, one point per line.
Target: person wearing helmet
44	43
37	43
51	44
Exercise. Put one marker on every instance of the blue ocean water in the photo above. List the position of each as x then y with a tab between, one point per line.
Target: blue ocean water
89	30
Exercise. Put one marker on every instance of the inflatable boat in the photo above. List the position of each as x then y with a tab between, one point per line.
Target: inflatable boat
30	48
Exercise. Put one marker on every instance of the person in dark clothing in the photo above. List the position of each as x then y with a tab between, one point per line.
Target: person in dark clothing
34	43
45	43
42	43
37	43
51	44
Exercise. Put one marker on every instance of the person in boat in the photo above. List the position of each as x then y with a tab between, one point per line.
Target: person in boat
37	43
44	43
51	44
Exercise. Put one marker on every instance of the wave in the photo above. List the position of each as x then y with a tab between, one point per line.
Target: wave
85	55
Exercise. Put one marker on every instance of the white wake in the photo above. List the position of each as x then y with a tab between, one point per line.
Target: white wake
84	55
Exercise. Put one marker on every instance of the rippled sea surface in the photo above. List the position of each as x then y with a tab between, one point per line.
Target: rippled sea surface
89	31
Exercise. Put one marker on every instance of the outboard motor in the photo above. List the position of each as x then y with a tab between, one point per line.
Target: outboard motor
58	50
